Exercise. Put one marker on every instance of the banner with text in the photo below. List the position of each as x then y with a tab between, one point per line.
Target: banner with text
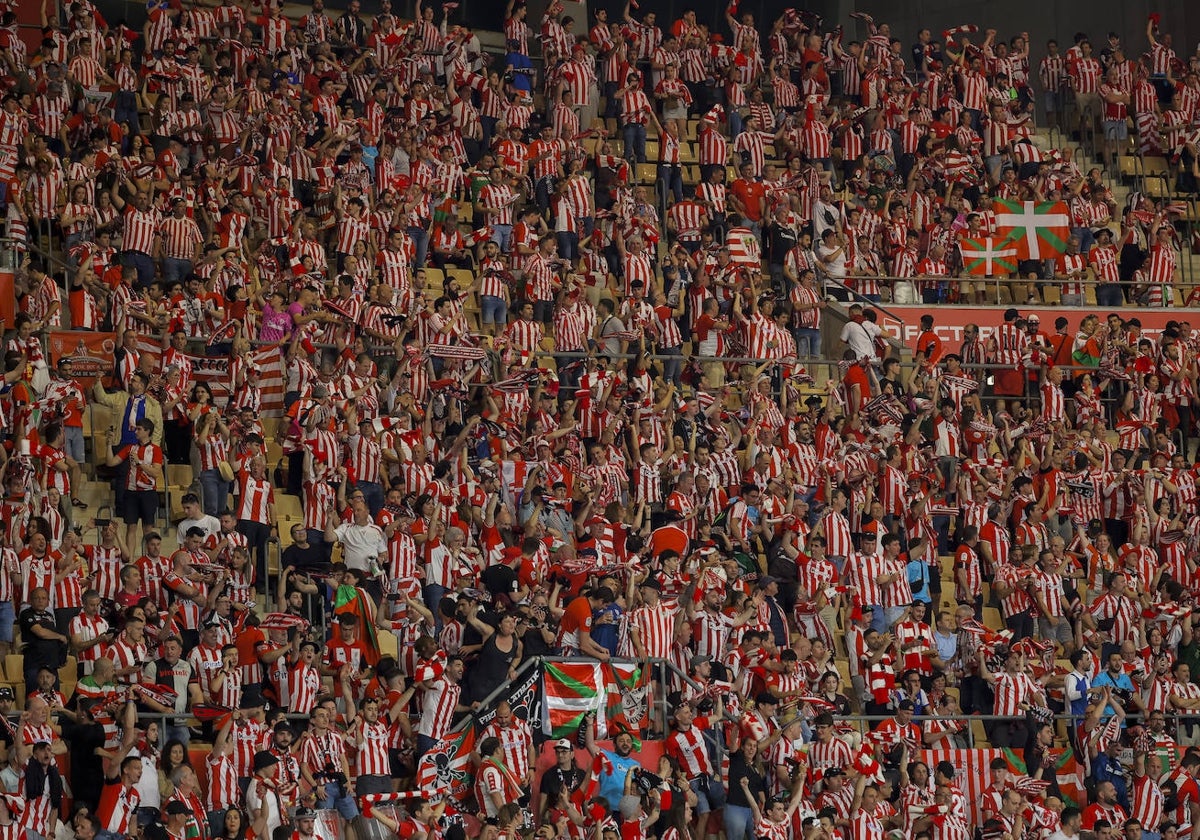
82	355
903	324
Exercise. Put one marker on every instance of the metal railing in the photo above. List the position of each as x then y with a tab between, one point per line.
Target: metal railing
660	710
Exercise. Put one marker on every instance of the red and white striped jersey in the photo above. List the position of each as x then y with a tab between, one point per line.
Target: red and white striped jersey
1124	614
140	228
321	750
635	108
372	758
180	238
437	708
863	571
833	753
516	738
222	783
1054	403
255	495
1147	803
501	197
365	457
1011	690
688	747
1085	75
838	542
655	628
714	148
1052	71
866	826
303	686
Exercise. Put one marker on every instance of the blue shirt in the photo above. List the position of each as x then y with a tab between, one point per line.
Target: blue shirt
605	635
1105	678
612	785
918	570
1079	706
519	62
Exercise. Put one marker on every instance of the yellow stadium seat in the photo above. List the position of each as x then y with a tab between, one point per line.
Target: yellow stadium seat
465	277
978	734
992	619
288	507
388	644
435	278
179	475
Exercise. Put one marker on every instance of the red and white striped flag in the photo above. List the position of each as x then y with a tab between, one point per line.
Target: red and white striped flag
972	774
479	235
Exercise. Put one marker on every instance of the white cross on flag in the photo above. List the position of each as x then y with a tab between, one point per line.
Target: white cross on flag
988	256
1037	230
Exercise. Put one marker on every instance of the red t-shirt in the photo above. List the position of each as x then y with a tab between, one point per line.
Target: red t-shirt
750	194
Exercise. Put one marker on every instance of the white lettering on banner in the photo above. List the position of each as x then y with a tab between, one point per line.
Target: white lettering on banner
902	324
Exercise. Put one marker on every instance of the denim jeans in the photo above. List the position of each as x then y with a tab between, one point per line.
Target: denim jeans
420	238
502	236
673	366
1109	294
735	123
144	265
711	800
878	619
337	798
541	192
635	142
568	244
1086	239
670	178
808	341
75	443
738	821
174	269
257	534
214	491
433	596
493	309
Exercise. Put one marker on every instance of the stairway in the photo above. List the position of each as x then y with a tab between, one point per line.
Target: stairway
1132	178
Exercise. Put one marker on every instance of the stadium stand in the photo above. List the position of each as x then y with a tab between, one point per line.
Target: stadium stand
650	435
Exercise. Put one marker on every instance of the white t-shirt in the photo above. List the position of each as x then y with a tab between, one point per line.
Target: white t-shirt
861	338
208	524
835	269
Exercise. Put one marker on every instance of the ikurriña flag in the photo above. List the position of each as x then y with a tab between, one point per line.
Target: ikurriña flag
1039	230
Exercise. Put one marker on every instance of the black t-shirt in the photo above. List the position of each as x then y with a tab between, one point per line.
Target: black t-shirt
555	780
499	579
310	559
87	768
534	644
471	636
40	652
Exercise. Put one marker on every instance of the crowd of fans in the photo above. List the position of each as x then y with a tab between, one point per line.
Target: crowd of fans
502	451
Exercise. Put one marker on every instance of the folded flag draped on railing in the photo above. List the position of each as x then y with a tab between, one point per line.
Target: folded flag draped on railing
628	689
1037	230
570	690
618	692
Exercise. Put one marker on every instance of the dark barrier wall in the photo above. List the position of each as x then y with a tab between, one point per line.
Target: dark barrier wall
1043	19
